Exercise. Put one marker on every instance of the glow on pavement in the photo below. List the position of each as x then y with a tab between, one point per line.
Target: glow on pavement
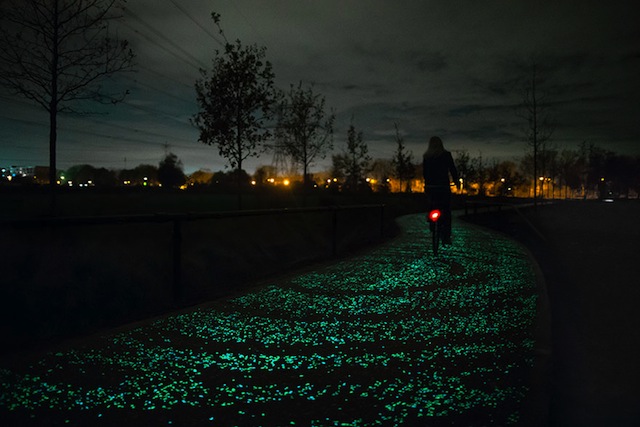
385	338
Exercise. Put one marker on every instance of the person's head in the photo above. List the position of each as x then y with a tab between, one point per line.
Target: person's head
435	147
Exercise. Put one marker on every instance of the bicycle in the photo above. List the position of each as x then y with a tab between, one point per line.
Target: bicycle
432	218
439	216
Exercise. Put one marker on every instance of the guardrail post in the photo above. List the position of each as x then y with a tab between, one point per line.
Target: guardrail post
334	239
177	261
381	222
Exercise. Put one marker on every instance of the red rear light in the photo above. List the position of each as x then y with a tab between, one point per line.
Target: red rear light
434	215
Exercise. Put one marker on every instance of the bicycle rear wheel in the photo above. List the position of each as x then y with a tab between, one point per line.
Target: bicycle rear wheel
435	237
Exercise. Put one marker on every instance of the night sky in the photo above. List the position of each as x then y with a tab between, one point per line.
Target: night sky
448	68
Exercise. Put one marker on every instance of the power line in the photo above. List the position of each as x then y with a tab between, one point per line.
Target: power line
140	131
188	15
156	111
150	110
44	123
166	39
152	41
171	79
162	91
116	138
253	28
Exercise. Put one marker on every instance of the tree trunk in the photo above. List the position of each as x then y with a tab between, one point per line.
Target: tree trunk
53	176
53	114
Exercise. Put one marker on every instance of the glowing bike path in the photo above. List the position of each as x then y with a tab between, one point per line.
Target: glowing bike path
390	337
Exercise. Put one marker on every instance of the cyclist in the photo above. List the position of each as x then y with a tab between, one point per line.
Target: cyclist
437	165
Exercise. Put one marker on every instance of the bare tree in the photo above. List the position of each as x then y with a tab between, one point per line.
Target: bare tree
304	127
535	111
479	173
56	52
463	160
356	158
402	163
570	168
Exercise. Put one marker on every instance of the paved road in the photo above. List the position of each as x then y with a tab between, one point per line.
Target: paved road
589	254
393	336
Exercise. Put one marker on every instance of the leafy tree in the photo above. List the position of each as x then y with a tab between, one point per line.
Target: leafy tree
355	158
140	175
236	99
56	52
304	127
200	177
87	174
104	177
402	161
171	172
80	174
338	166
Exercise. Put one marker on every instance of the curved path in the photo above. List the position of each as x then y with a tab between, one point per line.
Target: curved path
393	336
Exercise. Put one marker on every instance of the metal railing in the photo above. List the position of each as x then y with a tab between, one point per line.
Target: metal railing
178	219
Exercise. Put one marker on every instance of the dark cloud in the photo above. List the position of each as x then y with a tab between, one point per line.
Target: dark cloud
429	63
455	69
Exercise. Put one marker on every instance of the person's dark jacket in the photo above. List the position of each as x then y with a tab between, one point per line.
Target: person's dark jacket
436	170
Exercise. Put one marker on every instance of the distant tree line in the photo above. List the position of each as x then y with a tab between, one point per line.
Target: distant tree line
588	171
